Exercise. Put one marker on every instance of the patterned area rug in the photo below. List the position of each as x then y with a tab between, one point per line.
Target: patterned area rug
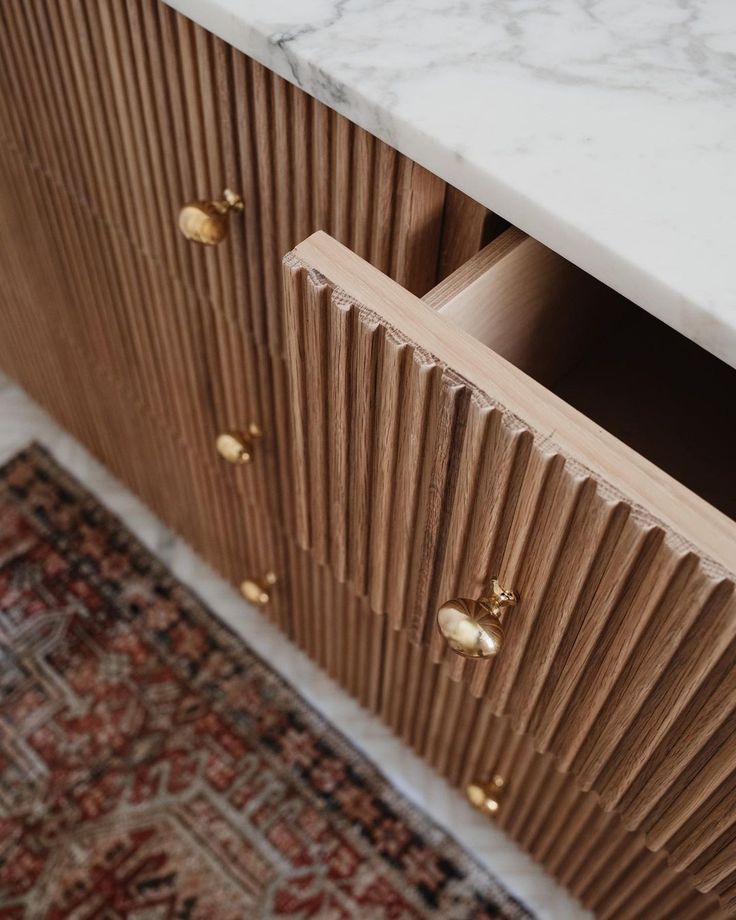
151	766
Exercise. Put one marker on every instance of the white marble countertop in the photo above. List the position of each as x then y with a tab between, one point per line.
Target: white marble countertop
604	128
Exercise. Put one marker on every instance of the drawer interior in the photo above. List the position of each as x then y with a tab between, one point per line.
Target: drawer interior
651	387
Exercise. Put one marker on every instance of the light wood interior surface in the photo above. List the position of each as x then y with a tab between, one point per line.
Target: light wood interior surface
631	374
528	304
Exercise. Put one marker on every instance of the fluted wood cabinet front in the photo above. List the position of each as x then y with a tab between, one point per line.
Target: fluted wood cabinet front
589	851
391	473
417	478
146	345
131	111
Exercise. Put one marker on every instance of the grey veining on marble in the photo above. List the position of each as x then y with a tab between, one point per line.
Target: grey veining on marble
605	128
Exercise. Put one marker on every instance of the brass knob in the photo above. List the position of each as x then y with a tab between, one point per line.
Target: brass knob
486	797
237	446
206	221
473	628
256	590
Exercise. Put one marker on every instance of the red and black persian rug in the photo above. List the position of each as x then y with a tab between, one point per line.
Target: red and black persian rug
151	766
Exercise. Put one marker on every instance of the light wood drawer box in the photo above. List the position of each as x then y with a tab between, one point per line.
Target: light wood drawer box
425	463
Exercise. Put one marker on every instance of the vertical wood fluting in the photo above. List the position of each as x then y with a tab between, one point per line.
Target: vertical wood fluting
620	633
146	110
389	674
134	110
145	347
608	868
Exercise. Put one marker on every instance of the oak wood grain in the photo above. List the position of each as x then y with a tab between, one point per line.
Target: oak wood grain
623	622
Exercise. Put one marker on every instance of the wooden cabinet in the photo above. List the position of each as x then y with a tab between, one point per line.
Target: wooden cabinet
411	448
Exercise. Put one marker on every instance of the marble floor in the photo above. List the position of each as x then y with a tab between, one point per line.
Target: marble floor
21	421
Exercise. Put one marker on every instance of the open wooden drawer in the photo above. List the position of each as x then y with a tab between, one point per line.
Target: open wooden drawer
425	463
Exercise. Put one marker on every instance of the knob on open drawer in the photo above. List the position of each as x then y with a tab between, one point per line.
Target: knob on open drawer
472	627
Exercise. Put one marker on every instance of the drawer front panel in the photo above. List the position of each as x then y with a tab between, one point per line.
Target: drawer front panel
589	851
415	486
135	110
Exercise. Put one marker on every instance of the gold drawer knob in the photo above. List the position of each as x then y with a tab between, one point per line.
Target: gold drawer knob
473	628
206	221
237	446
486	797
257	591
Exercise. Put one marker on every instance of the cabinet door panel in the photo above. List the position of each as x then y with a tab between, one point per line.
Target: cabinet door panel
446	476
590	851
